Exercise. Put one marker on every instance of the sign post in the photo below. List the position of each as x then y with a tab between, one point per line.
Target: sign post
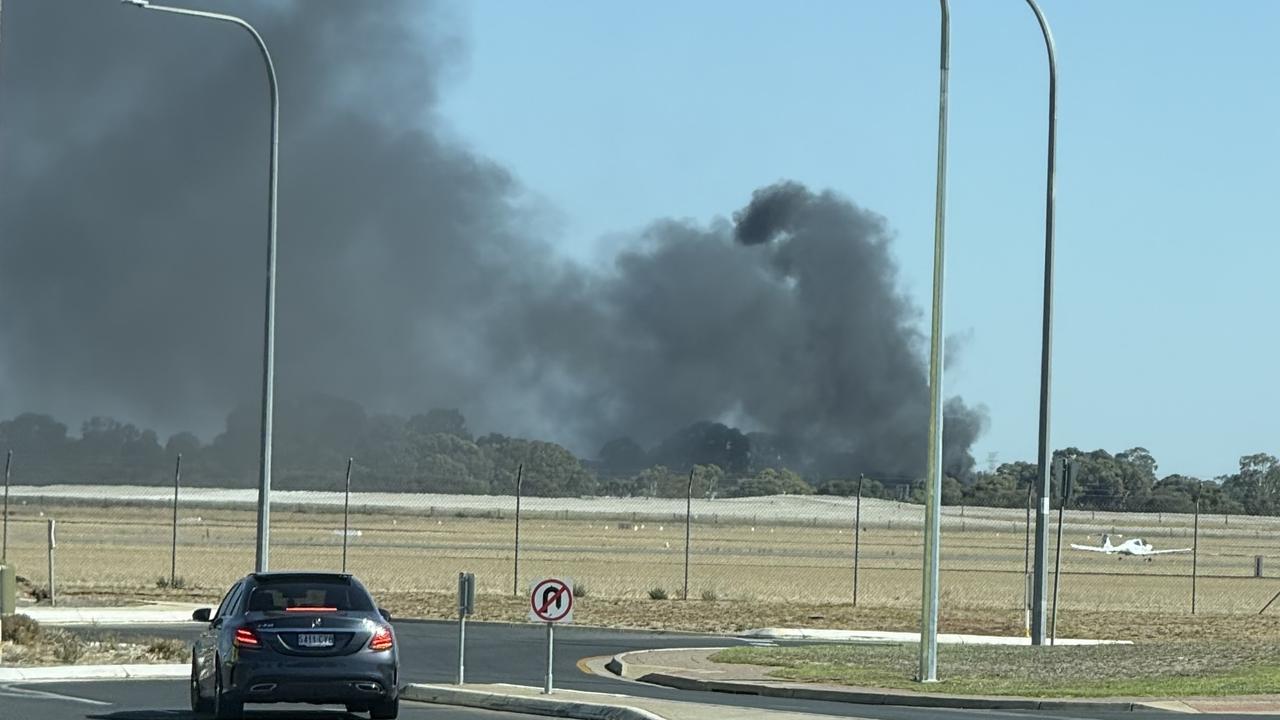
551	602
466	606
53	543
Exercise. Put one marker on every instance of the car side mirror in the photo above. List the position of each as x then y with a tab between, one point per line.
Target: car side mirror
201	615
385	613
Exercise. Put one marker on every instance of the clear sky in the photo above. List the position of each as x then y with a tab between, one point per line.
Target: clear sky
1165	336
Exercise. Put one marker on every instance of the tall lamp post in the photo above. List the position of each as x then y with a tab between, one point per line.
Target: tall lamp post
1040	582
933	482
268	359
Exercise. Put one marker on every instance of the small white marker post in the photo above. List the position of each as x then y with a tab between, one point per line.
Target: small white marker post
551	602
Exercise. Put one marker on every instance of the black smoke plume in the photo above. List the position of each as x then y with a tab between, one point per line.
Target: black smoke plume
413	273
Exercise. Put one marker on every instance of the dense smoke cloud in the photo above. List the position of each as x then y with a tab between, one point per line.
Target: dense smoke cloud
412	274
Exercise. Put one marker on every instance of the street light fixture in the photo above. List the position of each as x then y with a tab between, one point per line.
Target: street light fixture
268	359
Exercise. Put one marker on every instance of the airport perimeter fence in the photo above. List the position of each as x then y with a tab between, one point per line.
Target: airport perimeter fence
798	549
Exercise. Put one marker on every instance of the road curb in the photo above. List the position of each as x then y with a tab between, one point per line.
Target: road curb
866	697
619	666
136	671
549	706
106	616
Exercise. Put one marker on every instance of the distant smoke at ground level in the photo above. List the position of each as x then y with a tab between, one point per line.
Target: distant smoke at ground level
412	272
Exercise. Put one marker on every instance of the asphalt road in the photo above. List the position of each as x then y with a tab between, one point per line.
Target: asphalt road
495	653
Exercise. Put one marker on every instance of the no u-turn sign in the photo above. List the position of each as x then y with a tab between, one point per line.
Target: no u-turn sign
551	600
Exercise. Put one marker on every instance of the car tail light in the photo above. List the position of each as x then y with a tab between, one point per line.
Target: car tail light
381	639
246	638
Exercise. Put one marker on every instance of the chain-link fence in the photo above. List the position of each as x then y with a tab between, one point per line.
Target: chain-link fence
785	548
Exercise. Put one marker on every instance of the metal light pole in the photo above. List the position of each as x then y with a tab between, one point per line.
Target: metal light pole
933	483
268	356
1046	344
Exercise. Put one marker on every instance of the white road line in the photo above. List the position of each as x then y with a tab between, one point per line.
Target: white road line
29	693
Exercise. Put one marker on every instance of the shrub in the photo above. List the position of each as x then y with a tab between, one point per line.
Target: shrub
19	629
169	649
68	648
579	590
658	594
710	595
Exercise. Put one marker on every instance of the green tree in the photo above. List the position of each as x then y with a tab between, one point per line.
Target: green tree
549	469
772	482
1256	487
848	487
446	463
622	457
995	489
440	420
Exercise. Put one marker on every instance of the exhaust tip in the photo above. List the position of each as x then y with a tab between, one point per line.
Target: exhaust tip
262	687
371	687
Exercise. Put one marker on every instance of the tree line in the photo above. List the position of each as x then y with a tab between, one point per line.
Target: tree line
436	452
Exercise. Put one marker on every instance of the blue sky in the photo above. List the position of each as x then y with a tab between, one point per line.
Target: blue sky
617	114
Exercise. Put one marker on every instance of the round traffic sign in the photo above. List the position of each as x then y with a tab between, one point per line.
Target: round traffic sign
551	600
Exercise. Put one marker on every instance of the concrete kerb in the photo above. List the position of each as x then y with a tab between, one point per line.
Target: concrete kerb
549	706
58	673
109	616
619	666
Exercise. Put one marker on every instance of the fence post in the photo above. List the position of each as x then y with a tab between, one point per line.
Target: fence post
173	554
1026	567
4	550
857	535
688	531
1195	552
515	575
1066	470
346	511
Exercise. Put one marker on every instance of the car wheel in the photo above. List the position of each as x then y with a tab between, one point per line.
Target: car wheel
200	706
225	707
385	710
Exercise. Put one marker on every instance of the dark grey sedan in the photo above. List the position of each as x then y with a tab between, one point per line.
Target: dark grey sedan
298	637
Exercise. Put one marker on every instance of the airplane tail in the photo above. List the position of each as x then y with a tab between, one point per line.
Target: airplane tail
1106	542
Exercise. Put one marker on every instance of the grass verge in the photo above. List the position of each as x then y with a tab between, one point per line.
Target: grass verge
1173	669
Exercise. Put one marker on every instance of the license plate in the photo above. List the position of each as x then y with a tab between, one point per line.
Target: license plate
315	640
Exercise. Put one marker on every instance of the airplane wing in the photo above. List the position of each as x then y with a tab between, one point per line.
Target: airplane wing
1161	552
1087	547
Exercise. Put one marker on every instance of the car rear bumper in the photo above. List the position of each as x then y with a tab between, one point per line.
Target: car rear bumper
270	685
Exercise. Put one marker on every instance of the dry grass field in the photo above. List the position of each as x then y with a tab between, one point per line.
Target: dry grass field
799	555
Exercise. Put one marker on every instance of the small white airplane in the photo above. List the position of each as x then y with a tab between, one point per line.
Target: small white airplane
1132	546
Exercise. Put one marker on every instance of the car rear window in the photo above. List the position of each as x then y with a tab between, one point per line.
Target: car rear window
317	595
